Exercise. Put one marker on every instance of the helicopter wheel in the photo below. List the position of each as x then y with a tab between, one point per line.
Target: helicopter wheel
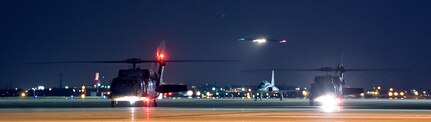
154	102
150	103
311	102
146	104
113	103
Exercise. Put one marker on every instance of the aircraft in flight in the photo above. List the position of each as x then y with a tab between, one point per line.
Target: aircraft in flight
263	40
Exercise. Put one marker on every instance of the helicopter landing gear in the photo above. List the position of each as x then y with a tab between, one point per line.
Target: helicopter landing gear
113	103
147	104
311	102
150	103
155	103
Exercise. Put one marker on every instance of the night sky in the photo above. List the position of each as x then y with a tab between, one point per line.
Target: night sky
370	34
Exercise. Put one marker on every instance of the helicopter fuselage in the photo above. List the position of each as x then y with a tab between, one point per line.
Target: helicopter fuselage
326	85
134	85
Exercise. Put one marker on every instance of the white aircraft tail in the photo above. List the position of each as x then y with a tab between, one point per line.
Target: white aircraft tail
272	78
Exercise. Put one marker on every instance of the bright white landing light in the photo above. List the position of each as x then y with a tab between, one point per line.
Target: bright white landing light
259	40
328	103
131	99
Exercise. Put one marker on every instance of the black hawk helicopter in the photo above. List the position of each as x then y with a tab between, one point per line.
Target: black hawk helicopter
141	86
329	87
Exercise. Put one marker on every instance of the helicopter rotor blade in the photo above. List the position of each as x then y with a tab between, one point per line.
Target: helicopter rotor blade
279	70
211	60
131	61
323	69
377	70
78	62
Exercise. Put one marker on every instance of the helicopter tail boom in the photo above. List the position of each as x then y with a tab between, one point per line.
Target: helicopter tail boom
352	91
171	88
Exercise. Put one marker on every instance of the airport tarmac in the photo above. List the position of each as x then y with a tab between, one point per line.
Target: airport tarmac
62	109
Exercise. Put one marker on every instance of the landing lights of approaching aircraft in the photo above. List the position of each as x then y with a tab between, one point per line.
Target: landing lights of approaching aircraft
263	40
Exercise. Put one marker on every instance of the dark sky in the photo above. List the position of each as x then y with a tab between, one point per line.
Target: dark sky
371	34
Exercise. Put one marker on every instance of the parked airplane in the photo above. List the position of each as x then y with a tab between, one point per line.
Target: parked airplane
267	87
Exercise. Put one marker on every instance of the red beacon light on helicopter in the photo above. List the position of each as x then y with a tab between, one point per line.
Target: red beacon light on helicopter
161	57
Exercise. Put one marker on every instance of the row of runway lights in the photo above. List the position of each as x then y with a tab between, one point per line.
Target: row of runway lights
392	94
249	94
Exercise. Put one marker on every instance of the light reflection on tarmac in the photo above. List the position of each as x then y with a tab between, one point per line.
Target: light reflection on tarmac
213	110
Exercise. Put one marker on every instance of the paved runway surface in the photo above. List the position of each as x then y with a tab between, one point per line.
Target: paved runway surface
62	109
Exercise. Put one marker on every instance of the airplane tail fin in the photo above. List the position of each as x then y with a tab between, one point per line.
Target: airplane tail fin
272	78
